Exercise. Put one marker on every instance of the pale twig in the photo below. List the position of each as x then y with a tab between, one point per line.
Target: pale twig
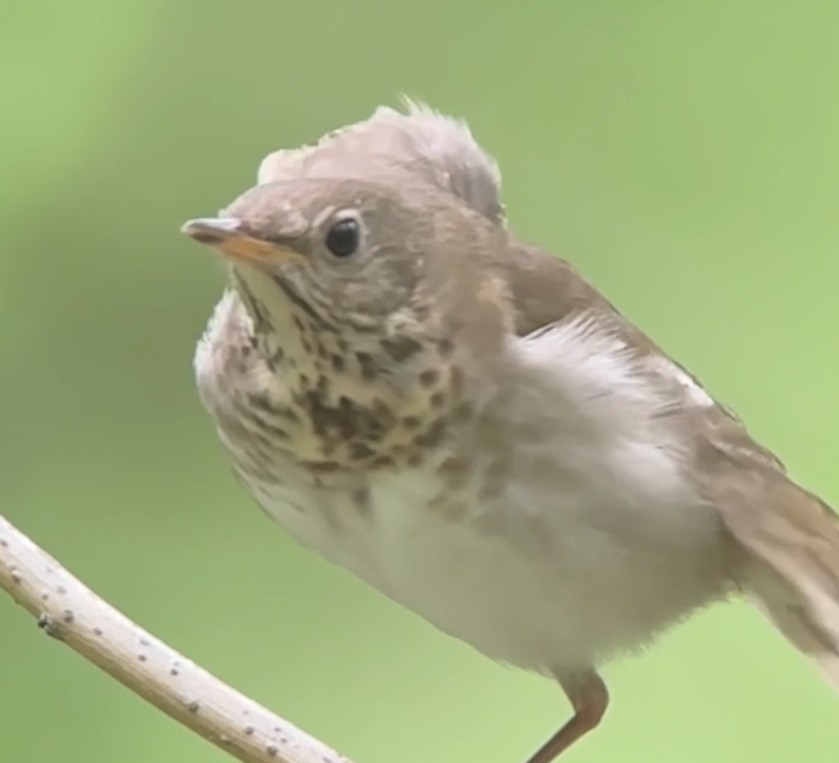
71	613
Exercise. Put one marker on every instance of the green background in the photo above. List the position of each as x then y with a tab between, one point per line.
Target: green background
683	154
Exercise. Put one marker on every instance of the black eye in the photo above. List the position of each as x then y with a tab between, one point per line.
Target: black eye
343	237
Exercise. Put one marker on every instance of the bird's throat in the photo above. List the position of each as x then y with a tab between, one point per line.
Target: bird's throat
361	400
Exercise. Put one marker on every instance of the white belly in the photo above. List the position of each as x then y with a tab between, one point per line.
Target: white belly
536	579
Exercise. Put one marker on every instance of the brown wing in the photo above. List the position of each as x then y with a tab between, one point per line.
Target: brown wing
785	540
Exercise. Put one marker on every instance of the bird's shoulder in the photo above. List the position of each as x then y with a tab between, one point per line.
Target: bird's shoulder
553	300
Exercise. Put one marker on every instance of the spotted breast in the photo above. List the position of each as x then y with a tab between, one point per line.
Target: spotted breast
486	529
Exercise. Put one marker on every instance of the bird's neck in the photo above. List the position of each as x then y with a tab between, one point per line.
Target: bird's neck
377	398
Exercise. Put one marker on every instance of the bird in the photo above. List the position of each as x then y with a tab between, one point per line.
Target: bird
461	420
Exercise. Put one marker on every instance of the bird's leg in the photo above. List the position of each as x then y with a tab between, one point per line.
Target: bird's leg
589	698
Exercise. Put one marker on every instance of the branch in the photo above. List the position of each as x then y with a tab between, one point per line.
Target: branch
71	613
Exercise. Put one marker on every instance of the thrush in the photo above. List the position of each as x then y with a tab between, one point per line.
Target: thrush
465	423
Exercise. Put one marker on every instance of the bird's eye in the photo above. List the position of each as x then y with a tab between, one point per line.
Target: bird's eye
343	237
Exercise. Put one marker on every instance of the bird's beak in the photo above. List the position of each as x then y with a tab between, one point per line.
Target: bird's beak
231	237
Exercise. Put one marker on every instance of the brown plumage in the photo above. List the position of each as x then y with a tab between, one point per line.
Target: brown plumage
468	425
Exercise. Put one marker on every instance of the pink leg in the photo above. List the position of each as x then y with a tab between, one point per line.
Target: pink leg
589	698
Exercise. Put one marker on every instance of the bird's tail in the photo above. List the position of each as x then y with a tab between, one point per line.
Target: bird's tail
792	570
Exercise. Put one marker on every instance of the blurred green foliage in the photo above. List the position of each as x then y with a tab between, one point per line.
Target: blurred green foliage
684	155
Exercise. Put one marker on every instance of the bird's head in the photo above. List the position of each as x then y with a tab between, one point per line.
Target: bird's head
395	282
